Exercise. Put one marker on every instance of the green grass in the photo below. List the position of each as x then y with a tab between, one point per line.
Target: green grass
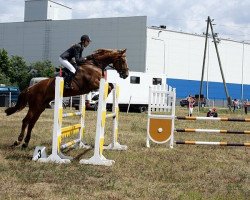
185	172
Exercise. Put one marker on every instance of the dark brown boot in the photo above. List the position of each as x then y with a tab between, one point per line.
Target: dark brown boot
68	79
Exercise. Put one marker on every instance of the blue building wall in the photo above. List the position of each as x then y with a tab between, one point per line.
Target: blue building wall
215	89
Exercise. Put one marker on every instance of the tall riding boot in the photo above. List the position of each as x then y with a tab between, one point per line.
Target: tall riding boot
68	79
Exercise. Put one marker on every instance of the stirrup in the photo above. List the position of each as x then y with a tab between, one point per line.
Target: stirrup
67	82
67	85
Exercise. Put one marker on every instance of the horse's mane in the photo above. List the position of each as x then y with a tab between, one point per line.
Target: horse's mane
105	53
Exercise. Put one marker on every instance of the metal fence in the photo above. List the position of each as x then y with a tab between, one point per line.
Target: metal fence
6	100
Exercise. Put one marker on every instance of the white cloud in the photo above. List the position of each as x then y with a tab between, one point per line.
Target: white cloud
11	11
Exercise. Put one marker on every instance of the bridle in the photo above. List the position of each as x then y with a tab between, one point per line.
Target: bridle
123	71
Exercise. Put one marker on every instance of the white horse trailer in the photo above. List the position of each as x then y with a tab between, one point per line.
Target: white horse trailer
134	89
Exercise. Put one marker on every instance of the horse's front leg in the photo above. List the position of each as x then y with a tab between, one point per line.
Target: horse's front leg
96	85
111	87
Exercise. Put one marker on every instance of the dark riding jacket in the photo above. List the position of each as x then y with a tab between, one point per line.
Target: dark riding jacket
74	52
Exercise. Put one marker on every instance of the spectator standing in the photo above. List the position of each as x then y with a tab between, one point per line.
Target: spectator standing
235	104
191	102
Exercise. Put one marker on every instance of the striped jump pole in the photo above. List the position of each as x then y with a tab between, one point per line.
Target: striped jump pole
213	131
70	144
69	130
71	114
214	119
190	130
247	144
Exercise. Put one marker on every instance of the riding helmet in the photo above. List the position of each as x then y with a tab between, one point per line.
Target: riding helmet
85	37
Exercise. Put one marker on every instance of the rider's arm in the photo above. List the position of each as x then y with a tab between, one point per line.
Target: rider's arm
78	55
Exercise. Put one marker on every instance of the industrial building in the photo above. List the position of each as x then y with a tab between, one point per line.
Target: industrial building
48	30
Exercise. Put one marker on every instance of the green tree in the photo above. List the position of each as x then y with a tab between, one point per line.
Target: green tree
4	80
19	72
15	71
4	63
42	69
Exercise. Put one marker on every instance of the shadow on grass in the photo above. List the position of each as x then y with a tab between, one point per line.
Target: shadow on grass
19	156
16	152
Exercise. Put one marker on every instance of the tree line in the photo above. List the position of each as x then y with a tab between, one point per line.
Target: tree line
15	71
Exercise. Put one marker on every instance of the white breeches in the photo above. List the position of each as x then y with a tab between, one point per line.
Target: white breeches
67	64
191	110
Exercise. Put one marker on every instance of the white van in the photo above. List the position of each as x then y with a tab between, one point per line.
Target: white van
35	80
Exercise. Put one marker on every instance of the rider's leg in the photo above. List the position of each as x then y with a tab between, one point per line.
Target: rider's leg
71	73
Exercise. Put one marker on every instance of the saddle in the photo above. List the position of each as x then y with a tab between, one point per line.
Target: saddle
64	72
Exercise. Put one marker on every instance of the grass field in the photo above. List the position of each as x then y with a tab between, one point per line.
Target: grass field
185	172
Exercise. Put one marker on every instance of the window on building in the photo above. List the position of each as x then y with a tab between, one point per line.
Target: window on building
135	79
157	81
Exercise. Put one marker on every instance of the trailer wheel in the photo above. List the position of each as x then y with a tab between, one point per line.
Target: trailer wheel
141	109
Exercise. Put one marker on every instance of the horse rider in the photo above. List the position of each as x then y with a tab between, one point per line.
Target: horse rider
73	55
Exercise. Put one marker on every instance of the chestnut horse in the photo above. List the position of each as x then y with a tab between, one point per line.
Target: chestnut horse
87	79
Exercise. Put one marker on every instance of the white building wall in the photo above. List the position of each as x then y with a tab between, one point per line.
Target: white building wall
37	10
231	60
57	11
180	52
184	57
246	65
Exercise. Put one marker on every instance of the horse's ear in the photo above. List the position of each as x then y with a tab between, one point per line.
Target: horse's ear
122	51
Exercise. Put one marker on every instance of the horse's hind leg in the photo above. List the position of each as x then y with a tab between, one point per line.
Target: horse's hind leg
25	123
32	123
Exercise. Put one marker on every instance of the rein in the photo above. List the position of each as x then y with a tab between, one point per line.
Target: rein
103	68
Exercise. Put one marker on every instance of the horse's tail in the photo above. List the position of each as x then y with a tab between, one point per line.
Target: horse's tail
21	103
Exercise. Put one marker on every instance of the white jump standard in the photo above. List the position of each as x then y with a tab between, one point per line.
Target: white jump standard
60	133
160	127
98	158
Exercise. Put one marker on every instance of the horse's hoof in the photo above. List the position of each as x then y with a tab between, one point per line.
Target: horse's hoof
16	143
24	146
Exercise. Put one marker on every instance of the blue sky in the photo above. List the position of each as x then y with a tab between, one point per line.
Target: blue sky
232	17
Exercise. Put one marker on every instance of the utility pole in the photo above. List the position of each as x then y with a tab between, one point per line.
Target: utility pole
203	65
209	22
